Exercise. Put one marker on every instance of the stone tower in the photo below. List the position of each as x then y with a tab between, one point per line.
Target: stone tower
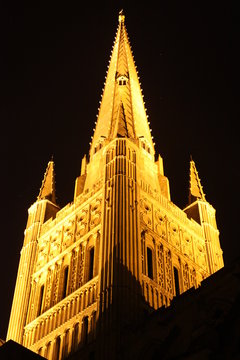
121	249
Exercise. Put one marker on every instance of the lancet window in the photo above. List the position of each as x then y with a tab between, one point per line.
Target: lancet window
176	281
40	301
149	263
57	348
66	343
75	337
90	263
65	281
84	338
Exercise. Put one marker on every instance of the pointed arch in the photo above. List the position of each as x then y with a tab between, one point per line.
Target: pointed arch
84	332
75	337
57	348
48	349
65	281
149	262
176	280
40	299
66	343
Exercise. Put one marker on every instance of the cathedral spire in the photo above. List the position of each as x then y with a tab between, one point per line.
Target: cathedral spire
48	190
195	187
122	105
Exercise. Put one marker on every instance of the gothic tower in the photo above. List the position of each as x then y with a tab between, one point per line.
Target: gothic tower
121	249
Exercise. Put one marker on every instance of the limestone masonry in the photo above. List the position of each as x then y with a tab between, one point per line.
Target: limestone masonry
121	249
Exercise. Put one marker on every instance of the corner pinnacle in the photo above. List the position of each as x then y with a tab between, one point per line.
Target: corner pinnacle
47	190
195	187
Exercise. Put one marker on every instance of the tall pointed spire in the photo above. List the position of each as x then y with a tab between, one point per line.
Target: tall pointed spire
122	106
48	190
195	187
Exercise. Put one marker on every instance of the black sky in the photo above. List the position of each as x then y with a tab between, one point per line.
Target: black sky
53	64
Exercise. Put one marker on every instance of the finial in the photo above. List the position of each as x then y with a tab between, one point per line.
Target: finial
121	16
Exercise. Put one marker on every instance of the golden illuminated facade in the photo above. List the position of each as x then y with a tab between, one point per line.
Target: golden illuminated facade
121	248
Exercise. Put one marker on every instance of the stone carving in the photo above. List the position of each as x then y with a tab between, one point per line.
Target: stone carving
80	272
68	234
187	245
185	277
43	248
47	302
56	283
74	268
82	223
160	265
193	279
146	212
95	213
160	224
55	247
168	272
200	254
174	234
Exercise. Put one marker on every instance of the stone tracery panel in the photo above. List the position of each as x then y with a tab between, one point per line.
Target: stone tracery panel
55	286
187	245
48	291
68	234
168	272
80	269
146	212
193	278
160	265
95	213
185	277
174	236
160	224
82	222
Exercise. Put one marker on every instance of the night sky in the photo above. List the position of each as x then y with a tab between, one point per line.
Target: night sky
53	63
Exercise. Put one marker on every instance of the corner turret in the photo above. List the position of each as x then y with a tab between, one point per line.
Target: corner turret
44	208
204	213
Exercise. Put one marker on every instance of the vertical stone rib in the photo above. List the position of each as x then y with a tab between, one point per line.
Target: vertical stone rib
119	269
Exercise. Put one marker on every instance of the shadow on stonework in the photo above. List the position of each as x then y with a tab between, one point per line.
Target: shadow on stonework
121	308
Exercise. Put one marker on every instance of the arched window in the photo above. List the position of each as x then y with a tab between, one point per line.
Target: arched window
40	301
75	341
149	263
66	343
91	264
84	339
48	347
65	282
57	348
94	319
176	280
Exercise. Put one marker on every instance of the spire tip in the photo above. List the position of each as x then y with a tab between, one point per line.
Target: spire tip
121	16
